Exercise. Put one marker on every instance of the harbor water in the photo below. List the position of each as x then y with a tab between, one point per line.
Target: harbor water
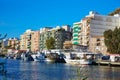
22	70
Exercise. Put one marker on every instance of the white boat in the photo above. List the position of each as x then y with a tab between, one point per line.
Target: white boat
81	61
38	56
26	57
80	58
54	55
23	57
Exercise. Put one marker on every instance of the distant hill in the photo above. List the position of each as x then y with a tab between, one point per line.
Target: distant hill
117	11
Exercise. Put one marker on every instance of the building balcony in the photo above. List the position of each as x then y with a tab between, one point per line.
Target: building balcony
74	26
76	38
75	31
76	43
75	34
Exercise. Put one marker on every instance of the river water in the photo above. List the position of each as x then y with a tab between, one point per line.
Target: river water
21	70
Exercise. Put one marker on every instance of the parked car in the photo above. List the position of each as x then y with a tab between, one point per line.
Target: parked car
106	57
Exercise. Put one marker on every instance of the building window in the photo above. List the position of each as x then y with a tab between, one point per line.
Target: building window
98	44
98	39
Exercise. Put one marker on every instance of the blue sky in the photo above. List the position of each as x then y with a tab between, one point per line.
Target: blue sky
18	15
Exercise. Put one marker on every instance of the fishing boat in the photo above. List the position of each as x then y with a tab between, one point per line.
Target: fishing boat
80	58
26	56
55	57
38	56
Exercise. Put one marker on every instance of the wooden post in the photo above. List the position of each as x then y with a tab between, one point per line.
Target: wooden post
109	64
98	63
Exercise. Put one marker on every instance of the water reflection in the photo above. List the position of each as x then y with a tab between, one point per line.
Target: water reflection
19	70
104	73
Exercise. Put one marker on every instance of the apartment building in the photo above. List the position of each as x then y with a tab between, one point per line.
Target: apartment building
5	42
67	28
92	29
25	42
35	41
10	43
60	34
67	45
76	31
98	25
44	35
97	45
30	40
13	43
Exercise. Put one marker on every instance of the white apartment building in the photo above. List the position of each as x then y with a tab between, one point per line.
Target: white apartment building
100	23
67	28
92	29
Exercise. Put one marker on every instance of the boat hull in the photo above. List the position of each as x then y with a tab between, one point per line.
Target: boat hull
83	62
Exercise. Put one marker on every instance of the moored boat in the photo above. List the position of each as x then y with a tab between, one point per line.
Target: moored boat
55	57
80	58
38	56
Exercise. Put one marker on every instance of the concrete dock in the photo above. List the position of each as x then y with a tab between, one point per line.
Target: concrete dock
107	62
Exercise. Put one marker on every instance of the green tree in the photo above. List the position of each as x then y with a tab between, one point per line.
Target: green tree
50	43
112	40
107	40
